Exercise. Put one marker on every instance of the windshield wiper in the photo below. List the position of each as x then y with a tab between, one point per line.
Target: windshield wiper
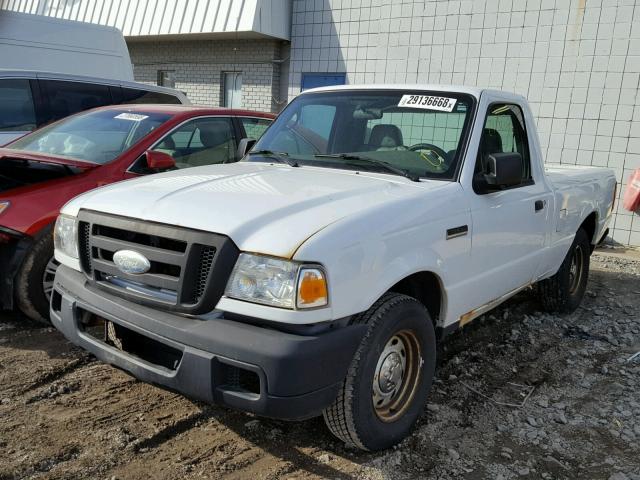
279	156
387	166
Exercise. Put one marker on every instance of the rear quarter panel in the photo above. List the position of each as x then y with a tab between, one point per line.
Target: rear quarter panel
579	192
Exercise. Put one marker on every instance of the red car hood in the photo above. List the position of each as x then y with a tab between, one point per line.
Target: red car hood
46	158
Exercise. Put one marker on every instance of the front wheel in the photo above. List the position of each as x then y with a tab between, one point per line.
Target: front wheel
563	292
34	282
389	378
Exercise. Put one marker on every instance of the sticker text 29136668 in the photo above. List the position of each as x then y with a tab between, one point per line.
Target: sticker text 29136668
428	102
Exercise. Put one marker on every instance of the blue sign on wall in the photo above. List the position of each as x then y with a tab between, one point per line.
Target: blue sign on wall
313	80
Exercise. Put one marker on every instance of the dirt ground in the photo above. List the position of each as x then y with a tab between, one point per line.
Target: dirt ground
571	383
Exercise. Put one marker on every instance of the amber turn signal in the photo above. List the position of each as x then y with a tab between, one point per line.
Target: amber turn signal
312	288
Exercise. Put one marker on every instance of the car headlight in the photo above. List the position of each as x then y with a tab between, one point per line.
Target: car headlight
4	206
65	235
277	282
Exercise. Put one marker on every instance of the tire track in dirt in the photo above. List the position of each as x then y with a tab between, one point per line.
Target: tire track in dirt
57	373
173	430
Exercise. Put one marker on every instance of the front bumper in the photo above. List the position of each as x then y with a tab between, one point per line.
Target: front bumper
298	375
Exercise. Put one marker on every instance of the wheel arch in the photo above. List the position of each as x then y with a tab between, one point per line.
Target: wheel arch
590	226
426	287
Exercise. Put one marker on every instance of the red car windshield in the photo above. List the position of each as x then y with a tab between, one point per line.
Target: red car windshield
99	136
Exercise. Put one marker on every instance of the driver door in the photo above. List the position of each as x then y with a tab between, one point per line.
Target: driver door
508	226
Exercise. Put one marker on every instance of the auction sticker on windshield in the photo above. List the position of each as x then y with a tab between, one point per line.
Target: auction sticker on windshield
428	102
135	117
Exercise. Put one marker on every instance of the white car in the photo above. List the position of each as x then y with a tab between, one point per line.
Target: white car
33	99
318	275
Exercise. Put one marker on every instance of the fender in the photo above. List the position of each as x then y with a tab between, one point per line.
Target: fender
365	255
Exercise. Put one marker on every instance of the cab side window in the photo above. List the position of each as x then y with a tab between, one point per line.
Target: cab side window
505	131
202	141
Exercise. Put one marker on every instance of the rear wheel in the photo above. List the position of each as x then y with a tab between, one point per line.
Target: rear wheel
563	292
34	282
389	378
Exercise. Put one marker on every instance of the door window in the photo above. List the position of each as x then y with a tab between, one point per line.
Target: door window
136	96
254	127
67	98
17	113
202	141
232	82
505	131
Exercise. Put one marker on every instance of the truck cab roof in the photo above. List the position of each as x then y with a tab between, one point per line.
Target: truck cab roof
476	92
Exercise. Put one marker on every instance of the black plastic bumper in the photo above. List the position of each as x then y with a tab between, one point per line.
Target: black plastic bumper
298	375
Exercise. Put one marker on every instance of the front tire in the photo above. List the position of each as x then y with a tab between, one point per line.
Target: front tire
34	281
563	292
389	378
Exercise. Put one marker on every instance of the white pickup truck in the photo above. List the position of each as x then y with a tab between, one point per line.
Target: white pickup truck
317	275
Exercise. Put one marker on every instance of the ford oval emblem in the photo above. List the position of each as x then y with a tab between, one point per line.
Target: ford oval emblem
131	262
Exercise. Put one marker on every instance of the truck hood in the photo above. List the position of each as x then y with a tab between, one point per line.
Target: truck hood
264	208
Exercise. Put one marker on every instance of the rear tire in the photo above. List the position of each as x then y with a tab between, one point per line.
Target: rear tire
563	292
389	378
36	274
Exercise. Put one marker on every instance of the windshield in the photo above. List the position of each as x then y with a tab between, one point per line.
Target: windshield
417	132
98	136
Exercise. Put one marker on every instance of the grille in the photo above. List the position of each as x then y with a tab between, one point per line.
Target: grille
206	260
188	268
84	231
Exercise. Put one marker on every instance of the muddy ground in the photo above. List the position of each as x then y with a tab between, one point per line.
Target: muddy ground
65	415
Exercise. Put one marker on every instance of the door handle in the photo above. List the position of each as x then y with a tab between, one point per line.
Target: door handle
456	232
540	204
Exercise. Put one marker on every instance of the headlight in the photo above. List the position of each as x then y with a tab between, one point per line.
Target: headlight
4	206
65	235
276	282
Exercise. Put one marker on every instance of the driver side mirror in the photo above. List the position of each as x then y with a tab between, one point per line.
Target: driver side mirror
244	146
159	161
502	170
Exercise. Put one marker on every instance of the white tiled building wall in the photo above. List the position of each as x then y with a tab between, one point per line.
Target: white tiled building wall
198	68
577	61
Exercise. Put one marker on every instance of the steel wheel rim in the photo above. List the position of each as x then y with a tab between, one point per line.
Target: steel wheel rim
48	276
576	269
397	376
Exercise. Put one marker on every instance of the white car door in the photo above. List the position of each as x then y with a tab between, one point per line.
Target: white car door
508	226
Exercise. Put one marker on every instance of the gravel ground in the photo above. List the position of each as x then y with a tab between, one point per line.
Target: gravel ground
519	394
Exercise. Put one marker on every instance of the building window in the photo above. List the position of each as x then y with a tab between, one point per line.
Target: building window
232	89
313	80
167	78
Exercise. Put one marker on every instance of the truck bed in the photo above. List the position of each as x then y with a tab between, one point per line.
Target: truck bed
579	189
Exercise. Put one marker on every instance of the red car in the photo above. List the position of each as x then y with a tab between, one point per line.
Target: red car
43	170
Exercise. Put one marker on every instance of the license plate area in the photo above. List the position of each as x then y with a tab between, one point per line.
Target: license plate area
129	341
